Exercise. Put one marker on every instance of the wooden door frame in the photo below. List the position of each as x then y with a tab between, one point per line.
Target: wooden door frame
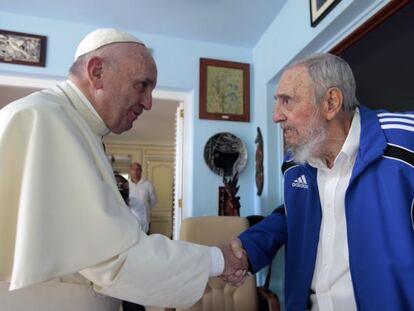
369	25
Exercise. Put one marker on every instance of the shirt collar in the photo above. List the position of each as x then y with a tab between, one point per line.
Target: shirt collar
351	143
349	148
83	99
84	107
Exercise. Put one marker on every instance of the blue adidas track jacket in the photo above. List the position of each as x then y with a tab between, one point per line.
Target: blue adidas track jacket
379	205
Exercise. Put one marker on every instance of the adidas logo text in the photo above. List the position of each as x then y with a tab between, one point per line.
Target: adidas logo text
301	182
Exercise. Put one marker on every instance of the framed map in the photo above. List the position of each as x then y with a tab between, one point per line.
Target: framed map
22	48
224	90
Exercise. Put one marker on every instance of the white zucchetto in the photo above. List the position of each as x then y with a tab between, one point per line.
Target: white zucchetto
101	37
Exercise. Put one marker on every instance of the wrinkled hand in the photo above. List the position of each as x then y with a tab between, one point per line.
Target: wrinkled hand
235	263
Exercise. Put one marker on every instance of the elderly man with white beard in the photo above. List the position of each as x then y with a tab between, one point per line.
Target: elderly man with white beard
347	220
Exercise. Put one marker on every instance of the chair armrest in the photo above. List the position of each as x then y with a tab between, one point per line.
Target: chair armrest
268	301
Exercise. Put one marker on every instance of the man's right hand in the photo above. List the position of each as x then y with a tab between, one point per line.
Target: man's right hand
236	263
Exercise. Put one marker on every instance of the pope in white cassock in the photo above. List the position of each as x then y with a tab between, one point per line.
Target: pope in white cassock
67	241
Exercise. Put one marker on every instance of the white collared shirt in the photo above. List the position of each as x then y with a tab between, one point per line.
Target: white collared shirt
144	191
331	283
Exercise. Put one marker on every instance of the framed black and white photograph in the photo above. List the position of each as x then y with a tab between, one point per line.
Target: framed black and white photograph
320	8
22	48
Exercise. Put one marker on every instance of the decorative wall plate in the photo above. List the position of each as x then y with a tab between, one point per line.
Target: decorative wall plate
225	154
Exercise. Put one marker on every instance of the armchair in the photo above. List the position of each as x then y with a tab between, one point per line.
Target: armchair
219	296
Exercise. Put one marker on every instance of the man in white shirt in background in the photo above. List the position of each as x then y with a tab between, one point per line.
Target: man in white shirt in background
142	195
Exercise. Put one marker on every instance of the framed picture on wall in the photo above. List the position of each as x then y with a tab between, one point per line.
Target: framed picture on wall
320	8
22	48
224	90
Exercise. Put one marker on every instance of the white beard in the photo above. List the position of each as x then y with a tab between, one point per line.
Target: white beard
311	144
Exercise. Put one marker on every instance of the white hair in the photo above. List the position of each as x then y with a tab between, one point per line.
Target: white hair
326	71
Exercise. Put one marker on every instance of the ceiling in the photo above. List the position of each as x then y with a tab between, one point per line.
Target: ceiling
162	114
9	94
230	22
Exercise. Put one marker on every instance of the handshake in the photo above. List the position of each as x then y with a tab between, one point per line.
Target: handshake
236	264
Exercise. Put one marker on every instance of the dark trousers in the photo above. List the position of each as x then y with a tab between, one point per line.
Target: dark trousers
130	306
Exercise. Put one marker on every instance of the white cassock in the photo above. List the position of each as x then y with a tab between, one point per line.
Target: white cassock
61	213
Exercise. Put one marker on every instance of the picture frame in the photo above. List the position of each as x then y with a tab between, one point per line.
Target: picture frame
224	90
320	8
22	48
